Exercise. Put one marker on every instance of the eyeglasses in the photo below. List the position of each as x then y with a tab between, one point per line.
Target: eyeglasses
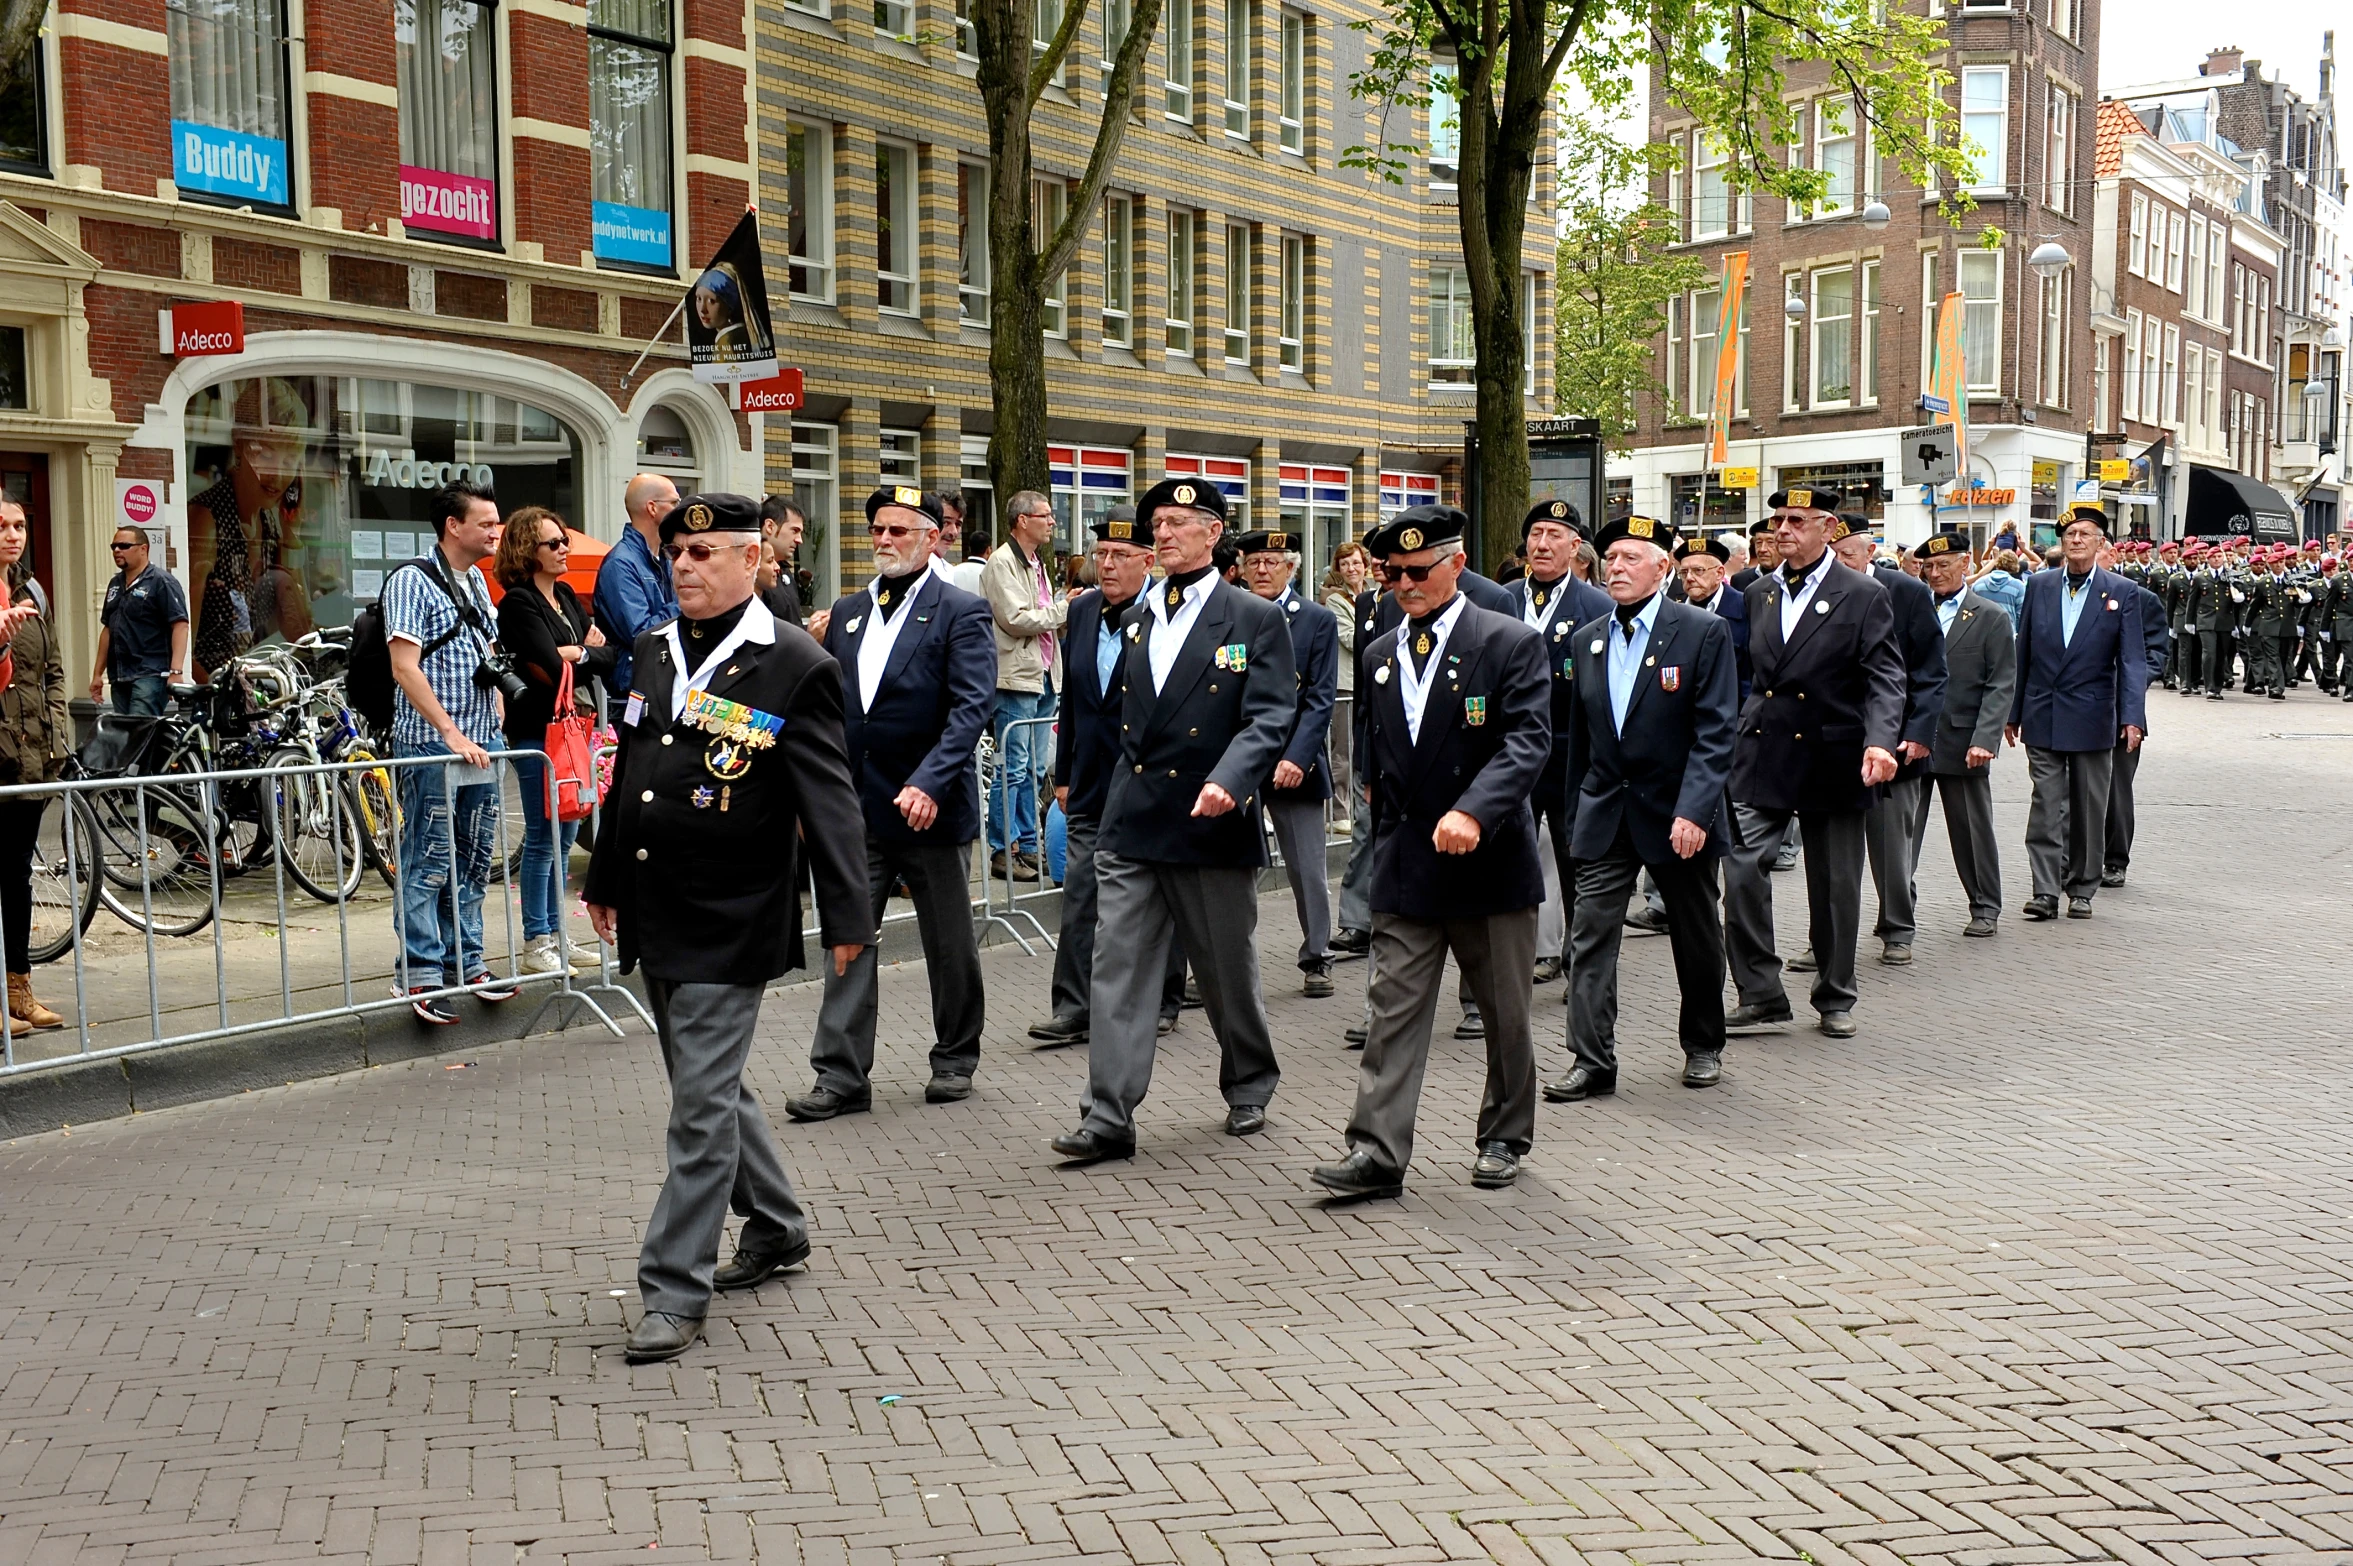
1420	573
698	551
118	546
560	545
879	531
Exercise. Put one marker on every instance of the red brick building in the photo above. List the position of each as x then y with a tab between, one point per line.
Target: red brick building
449	238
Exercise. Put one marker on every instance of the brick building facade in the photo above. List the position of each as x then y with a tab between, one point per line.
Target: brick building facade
449	240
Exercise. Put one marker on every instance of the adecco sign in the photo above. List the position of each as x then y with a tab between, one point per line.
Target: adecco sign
780	393
192	331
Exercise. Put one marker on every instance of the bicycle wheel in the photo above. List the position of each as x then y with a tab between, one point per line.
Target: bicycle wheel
317	838
65	879
154	851
375	804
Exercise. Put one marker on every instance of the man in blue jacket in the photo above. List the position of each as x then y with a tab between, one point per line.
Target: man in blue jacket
2157	639
1302	783
633	592
2083	675
919	680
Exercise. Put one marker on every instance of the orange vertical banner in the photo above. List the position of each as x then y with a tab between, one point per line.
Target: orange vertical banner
1950	378
1724	398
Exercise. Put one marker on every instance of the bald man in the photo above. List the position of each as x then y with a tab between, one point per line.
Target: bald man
633	592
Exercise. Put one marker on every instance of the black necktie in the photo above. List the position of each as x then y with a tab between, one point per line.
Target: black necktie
1795	576
1422	643
889	593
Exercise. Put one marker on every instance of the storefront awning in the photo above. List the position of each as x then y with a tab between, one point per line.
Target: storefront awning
2223	503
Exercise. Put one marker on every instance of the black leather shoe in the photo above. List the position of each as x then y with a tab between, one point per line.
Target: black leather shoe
1352	943
1192	993
1803	962
1357	1036
947	1090
659	1335
1838	1024
2042	908
1582	1082
823	1103
750	1269
1496	1166
1547	969
1470	1027
2079	908
1896	956
1981	927
1164	1027
2214	695
1785	860
1057	1031
1093	1147
1648	920
1245	1119
2111	878
1703	1068
1745	1018
1315	983
1358	1175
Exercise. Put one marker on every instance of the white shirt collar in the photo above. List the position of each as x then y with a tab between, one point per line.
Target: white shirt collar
757	627
1195	592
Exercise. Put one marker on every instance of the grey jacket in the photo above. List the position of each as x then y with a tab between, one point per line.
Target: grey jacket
1981	677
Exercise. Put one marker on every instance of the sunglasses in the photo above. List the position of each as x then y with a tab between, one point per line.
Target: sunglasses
880	531
697	552
560	545
119	546
1420	573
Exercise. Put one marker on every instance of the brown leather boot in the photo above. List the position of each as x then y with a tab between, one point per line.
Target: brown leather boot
24	1009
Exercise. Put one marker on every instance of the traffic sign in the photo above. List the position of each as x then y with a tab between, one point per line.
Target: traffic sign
1928	455
1930	404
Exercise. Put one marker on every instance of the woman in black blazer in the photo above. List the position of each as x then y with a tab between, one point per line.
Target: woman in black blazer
542	624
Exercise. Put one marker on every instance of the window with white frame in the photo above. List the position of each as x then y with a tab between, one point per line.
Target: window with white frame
1453	348
1793	337
1177	73
895	19
1675	375
1930	301
2193	393
1705	308
1867	344
966	48
1400	490
1832	317
2064	18
2132	364
1834	154
445	55
1711	196
1292	110
895	233
2152	370
2261	348
227	74
2059	147
809	227
1045	19
1981	327
2136	252
1291	311
1083	484
2057	292
1676	153
24	122
2238	309
2194	271
1117	14
972	242
1985	123
630	57
1177	313
1315	510
1119	270
2175	226
2214	392
1445	128
2217	250
1238	41
1740	361
1241	280
1049	204
816	489
900	459
2100	355
1528	334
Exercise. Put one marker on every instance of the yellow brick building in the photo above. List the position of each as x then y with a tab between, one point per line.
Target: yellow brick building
1243	307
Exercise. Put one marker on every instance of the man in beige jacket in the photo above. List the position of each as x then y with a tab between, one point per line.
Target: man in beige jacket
1029	614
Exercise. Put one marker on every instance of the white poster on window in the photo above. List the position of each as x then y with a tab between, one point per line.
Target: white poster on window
400	546
367	545
367	585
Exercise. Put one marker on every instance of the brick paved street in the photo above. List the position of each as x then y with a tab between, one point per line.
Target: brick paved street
2051	1263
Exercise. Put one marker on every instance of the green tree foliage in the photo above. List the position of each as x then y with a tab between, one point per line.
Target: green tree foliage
1614	278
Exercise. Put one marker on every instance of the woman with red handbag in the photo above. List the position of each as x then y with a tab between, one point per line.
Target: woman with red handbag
556	650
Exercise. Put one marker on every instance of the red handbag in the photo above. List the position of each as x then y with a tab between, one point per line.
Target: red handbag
571	761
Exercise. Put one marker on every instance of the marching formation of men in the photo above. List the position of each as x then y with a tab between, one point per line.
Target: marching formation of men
2257	616
1668	728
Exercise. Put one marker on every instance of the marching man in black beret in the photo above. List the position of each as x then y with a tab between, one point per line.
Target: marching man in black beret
1553	603
1210	700
1295	795
731	766
1459	729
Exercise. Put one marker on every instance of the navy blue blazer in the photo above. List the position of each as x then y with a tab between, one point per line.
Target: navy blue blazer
1377	614
1674	757
1732	609
1315	651
1481	759
930	709
1086	728
1833	689
1920	636
2080	695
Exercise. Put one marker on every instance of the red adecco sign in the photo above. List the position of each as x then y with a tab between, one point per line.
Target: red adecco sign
192	330
779	394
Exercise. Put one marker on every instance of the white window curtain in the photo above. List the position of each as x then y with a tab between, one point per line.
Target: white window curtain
228	64
448	86
629	102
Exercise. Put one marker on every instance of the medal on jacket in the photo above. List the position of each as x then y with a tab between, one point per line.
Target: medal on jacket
1421	646
1540	595
1474	711
1176	598
727	759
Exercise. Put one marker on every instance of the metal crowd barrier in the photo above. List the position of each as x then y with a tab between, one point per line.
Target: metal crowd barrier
199	794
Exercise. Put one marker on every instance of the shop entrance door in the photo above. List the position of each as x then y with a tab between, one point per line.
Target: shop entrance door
24	478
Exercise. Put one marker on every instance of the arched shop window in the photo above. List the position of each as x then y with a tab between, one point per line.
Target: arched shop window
304	490
666	446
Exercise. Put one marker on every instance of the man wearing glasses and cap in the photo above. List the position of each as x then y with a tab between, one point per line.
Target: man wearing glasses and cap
732	775
1210	699
1817	737
919	676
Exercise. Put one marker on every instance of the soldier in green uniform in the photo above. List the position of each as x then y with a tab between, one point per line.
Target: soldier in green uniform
2214	621
2340	629
2271	605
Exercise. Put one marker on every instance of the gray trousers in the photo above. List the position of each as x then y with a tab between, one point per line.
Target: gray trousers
1299	832
1074	947
2124	765
2067	820
1891	841
1969	827
1834	902
1552	916
721	1154
1497	954
1695	929
1140	908
938	878
1356	883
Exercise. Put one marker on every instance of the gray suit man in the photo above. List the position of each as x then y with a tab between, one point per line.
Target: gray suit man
1981	676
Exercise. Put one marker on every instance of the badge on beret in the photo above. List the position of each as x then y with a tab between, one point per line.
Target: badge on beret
1410	539
1474	711
1182	494
1560	509
905	496
1639	527
1278	540
698	518
1801	499
1119	529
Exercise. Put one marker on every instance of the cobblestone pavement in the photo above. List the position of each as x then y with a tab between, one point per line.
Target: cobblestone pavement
2050	1263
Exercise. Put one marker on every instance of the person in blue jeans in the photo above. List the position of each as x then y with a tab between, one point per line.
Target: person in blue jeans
438	624
1030	617
541	621
142	630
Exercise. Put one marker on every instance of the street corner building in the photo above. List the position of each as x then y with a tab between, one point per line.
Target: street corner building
275	269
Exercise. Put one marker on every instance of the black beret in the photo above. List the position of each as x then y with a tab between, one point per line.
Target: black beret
1198	493
1560	511
1850	524
1803	500
1952	541
2086	511
1648	529
714	513
908	496
1716	547
1262	541
1417	528
1760	527
1119	526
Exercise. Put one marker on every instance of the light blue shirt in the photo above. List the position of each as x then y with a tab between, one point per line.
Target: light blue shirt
2071	604
1627	644
1948	610
1107	645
